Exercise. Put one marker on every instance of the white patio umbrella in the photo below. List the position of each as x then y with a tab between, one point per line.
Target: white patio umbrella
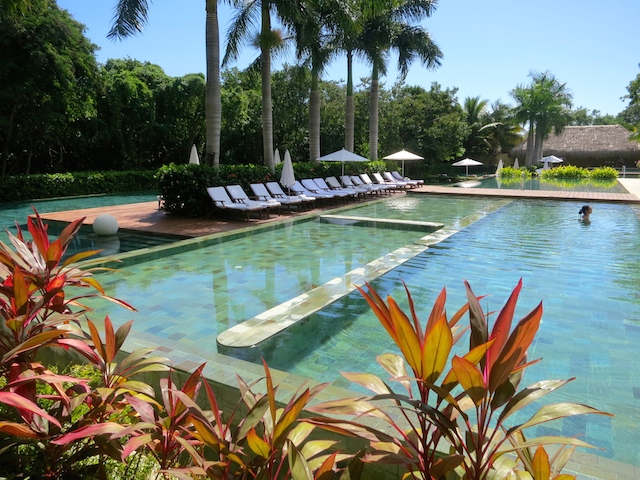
276	157
499	168
342	156
403	155
193	158
516	165
467	162
550	159
288	177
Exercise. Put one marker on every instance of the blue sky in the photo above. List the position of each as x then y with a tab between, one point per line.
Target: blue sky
489	46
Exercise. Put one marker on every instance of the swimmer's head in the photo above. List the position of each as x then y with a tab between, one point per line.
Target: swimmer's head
585	210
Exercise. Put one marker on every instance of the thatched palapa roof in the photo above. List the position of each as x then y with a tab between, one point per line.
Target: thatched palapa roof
592	144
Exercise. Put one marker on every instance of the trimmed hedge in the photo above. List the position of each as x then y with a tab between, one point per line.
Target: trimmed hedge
38	186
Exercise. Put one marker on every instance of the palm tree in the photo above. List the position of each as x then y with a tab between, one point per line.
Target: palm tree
503	132
389	30
248	14
131	16
544	105
475	110
318	33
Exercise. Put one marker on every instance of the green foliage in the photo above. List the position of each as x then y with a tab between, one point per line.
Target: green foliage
465	410
37	186
510	172
183	188
48	82
603	173
565	171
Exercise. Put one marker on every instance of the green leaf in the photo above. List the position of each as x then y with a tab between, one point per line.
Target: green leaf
368	381
530	395
557	411
297	464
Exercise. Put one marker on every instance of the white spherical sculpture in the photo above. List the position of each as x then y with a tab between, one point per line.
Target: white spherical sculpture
105	225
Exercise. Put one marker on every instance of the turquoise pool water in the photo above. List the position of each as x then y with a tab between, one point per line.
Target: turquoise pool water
586	276
562	185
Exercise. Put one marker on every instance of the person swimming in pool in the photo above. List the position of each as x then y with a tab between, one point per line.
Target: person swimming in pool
584	213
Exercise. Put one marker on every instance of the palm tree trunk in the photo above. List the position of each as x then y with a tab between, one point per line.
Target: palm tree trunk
267	113
350	106
373	115
539	140
529	157
314	118
213	103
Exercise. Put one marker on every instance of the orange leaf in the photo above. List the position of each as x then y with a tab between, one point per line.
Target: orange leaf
541	467
437	310
381	312
407	337
436	349
470	379
502	327
257	444
515	348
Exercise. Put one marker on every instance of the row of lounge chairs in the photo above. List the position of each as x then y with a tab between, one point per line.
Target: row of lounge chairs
270	196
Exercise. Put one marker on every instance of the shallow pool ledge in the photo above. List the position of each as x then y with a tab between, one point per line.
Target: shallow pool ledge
259	328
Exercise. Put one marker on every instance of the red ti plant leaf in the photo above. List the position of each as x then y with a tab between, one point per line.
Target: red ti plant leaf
502	327
20	430
23	405
38	231
515	349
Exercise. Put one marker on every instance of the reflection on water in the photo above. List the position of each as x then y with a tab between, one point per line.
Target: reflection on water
552	184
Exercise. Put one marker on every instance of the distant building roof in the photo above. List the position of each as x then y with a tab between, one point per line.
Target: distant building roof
603	142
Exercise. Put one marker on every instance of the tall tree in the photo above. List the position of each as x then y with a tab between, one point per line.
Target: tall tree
48	75
543	105
250	14
476	113
391	29
131	16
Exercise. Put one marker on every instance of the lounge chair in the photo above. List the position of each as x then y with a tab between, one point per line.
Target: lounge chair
358	183
397	176
276	190
238	195
222	201
383	186
316	190
382	181
262	194
324	187
334	184
390	179
299	189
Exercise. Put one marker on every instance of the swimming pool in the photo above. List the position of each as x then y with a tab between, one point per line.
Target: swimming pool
555	185
584	274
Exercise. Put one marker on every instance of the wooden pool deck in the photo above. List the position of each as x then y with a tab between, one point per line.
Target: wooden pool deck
148	218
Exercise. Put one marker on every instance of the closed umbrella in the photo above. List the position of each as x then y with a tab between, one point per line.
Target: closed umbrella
193	158
288	177
467	162
516	165
499	168
342	156
403	155
276	157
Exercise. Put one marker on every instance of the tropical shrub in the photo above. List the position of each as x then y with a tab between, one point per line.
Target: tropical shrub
454	420
62	420
603	173
184	188
510	172
565	171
